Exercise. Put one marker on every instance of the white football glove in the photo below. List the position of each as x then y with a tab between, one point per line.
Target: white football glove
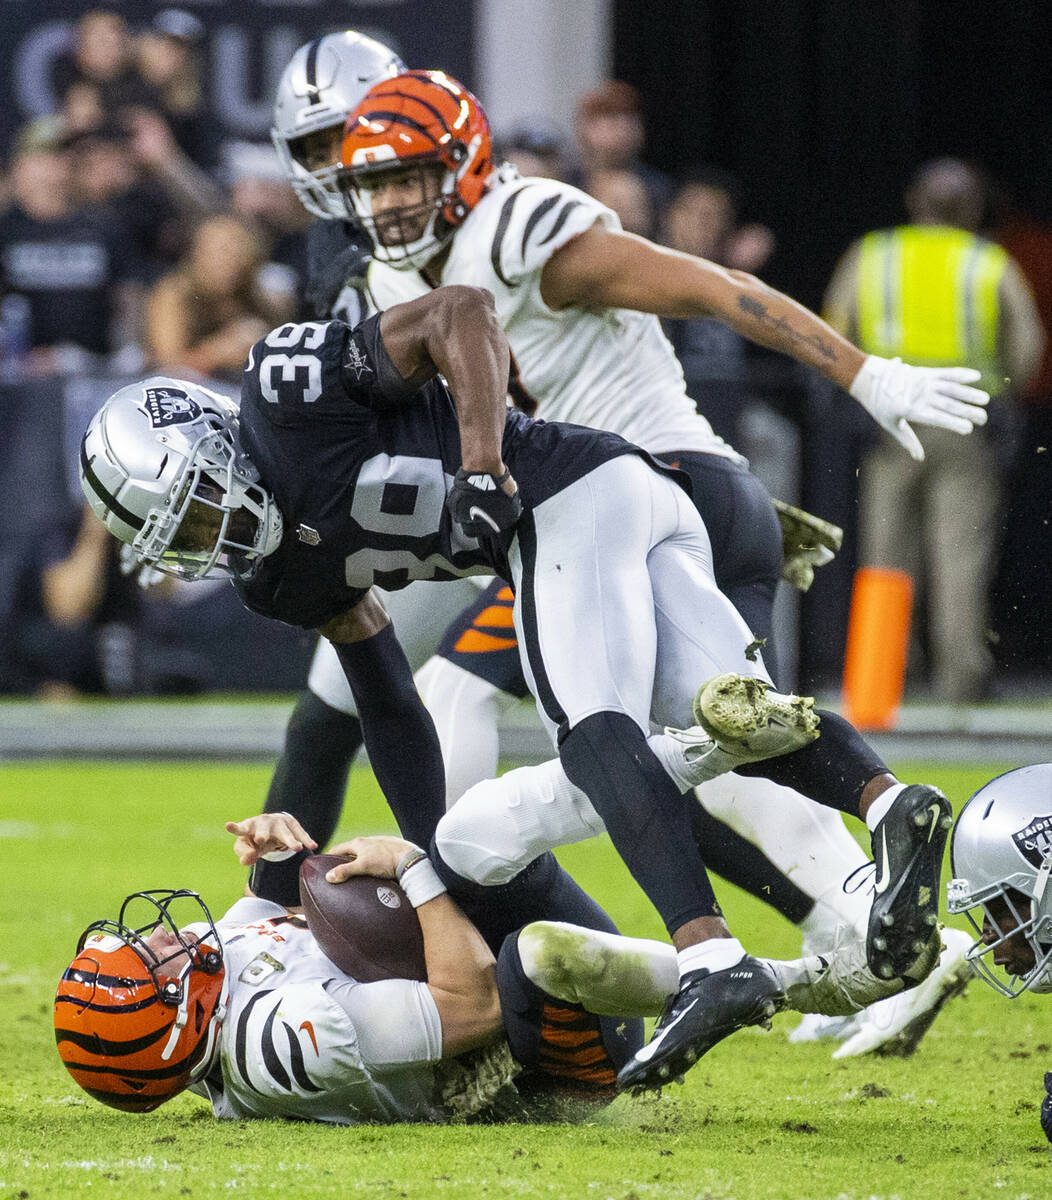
893	393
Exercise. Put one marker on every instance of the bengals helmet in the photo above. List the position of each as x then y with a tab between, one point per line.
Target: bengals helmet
137	1025
323	81
423	120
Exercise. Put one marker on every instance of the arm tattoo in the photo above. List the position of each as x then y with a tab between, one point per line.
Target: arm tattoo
780	325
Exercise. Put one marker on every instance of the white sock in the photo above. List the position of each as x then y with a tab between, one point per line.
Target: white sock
717	954
878	810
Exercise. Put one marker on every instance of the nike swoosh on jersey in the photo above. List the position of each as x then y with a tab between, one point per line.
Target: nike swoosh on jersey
645	1053
310	1033
884	878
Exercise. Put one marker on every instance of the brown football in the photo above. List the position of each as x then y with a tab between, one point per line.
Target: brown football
365	925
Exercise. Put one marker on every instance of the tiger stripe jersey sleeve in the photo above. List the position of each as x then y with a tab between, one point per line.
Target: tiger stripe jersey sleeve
534	220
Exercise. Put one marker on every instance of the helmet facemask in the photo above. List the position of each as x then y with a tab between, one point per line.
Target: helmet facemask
191	536
137	1023
1003	917
313	173
407	236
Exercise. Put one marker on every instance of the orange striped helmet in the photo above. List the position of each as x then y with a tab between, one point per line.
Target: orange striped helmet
136	1020
424	126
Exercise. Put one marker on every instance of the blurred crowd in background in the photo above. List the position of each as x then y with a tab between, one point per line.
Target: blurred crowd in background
133	240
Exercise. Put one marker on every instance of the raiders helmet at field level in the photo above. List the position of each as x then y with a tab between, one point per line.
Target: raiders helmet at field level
1001	860
159	466
324	80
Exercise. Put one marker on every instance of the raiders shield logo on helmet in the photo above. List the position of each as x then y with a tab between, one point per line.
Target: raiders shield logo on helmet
1034	840
169	406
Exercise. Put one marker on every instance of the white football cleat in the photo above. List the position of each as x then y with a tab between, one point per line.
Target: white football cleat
894	1027
814	1027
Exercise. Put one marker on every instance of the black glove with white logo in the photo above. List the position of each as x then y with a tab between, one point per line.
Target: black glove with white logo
1046	1107
480	506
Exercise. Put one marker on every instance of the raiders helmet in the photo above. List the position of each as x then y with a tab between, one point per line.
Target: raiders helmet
135	1023
324	80
1001	861
160	467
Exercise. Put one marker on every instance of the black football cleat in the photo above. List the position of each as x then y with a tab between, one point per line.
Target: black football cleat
708	1007
907	852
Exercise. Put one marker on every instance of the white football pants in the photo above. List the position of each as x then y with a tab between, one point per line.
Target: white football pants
420	614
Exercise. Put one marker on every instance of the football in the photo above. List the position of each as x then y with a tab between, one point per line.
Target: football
365	925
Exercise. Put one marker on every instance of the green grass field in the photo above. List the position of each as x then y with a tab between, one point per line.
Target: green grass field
758	1117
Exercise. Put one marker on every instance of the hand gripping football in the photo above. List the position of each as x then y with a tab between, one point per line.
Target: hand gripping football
365	925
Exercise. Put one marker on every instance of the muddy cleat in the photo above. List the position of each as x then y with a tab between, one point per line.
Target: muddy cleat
708	1007
839	983
907	853
894	1027
807	542
749	721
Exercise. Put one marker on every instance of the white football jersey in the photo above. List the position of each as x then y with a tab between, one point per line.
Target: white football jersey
610	368
302	1039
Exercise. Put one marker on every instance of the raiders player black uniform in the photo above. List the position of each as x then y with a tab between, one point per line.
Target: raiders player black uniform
360	461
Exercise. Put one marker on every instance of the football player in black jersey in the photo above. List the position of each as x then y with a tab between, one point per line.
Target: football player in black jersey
352	464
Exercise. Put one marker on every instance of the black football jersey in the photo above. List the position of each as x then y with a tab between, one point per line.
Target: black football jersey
360	463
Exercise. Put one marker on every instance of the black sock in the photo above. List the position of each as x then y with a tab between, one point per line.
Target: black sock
646	815
833	770
543	891
738	861
310	779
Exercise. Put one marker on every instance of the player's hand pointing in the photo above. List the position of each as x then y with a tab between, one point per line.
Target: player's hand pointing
277	834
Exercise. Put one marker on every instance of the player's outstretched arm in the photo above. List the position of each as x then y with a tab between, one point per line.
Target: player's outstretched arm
612	269
393	717
461	970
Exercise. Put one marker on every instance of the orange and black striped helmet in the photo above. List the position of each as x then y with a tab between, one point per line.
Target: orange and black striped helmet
420	119
137	1014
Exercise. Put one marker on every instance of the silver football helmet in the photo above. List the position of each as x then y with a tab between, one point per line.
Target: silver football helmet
324	81
160	467
1001	862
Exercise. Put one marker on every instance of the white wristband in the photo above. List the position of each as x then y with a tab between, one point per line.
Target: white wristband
421	883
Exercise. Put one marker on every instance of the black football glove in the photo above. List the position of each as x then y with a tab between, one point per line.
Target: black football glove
1046	1107
480	506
